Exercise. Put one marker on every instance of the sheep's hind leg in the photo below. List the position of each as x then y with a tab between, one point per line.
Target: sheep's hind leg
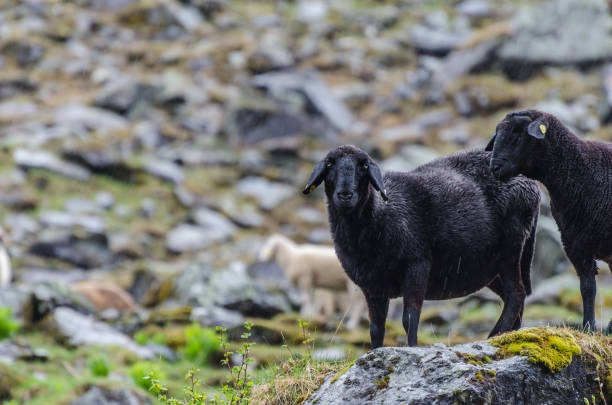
587	270
415	286
513	294
378	306
497	287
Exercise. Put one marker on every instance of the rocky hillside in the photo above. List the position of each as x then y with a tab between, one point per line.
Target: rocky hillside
148	148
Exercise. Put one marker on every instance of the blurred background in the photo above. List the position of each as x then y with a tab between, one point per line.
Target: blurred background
150	147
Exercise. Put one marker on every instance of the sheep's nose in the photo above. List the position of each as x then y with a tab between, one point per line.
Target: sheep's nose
345	195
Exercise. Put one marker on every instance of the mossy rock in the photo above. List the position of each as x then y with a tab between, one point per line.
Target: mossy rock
549	348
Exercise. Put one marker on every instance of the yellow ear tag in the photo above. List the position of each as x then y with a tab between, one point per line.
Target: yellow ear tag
312	188
542	128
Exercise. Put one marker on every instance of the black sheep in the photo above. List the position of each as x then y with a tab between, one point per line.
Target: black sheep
578	176
444	230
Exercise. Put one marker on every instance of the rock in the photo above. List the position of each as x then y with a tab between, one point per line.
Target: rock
101	161
15	298
88	252
268	59
12	350
234	289
256	125
268	194
10	87
90	118
547	293
111	396
71	328
25	53
165	170
123	93
475	8
17	110
39	159
575	115
457	64
105	200
217	316
60	219
559	33
549	258
44	298
187	238
606	107
210	219
409	158
104	295
437	41
315	90
311	11
418	126
446	375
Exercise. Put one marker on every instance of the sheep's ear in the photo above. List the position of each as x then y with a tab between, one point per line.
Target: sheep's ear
376	180
537	128
316	177
491	143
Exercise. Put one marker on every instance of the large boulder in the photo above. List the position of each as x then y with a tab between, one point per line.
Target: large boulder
558	32
473	373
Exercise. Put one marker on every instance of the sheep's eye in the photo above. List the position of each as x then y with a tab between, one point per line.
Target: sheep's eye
365	165
330	163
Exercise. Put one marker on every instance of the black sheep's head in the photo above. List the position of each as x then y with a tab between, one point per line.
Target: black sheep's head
517	138
348	172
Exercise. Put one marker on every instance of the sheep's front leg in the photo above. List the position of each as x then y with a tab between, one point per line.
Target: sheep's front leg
587	270
304	283
414	289
378	306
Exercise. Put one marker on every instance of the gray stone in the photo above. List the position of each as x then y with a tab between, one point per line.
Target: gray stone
111	396
12	350
84	252
409	158
312	85
72	328
105	200
60	219
90	118
188	238
438	375
267	193
210	219
558	32
329	354
475	8
311	11
39	159
217	316
436	41
165	170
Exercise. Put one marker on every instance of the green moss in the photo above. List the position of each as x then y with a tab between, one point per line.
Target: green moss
492	373
487	359
470	359
383	382
549	348
341	373
479	376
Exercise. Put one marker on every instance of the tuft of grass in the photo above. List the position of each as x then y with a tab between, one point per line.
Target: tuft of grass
201	344
8	325
99	366
143	372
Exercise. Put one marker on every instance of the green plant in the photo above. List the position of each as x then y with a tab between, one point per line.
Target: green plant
8	324
141	338
99	366
201	344
236	389
144	372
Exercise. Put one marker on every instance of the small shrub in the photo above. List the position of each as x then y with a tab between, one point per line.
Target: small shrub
141	338
99	366
201	344
8	325
144	372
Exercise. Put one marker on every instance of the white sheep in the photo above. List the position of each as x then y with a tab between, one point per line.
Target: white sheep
5	262
312	267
